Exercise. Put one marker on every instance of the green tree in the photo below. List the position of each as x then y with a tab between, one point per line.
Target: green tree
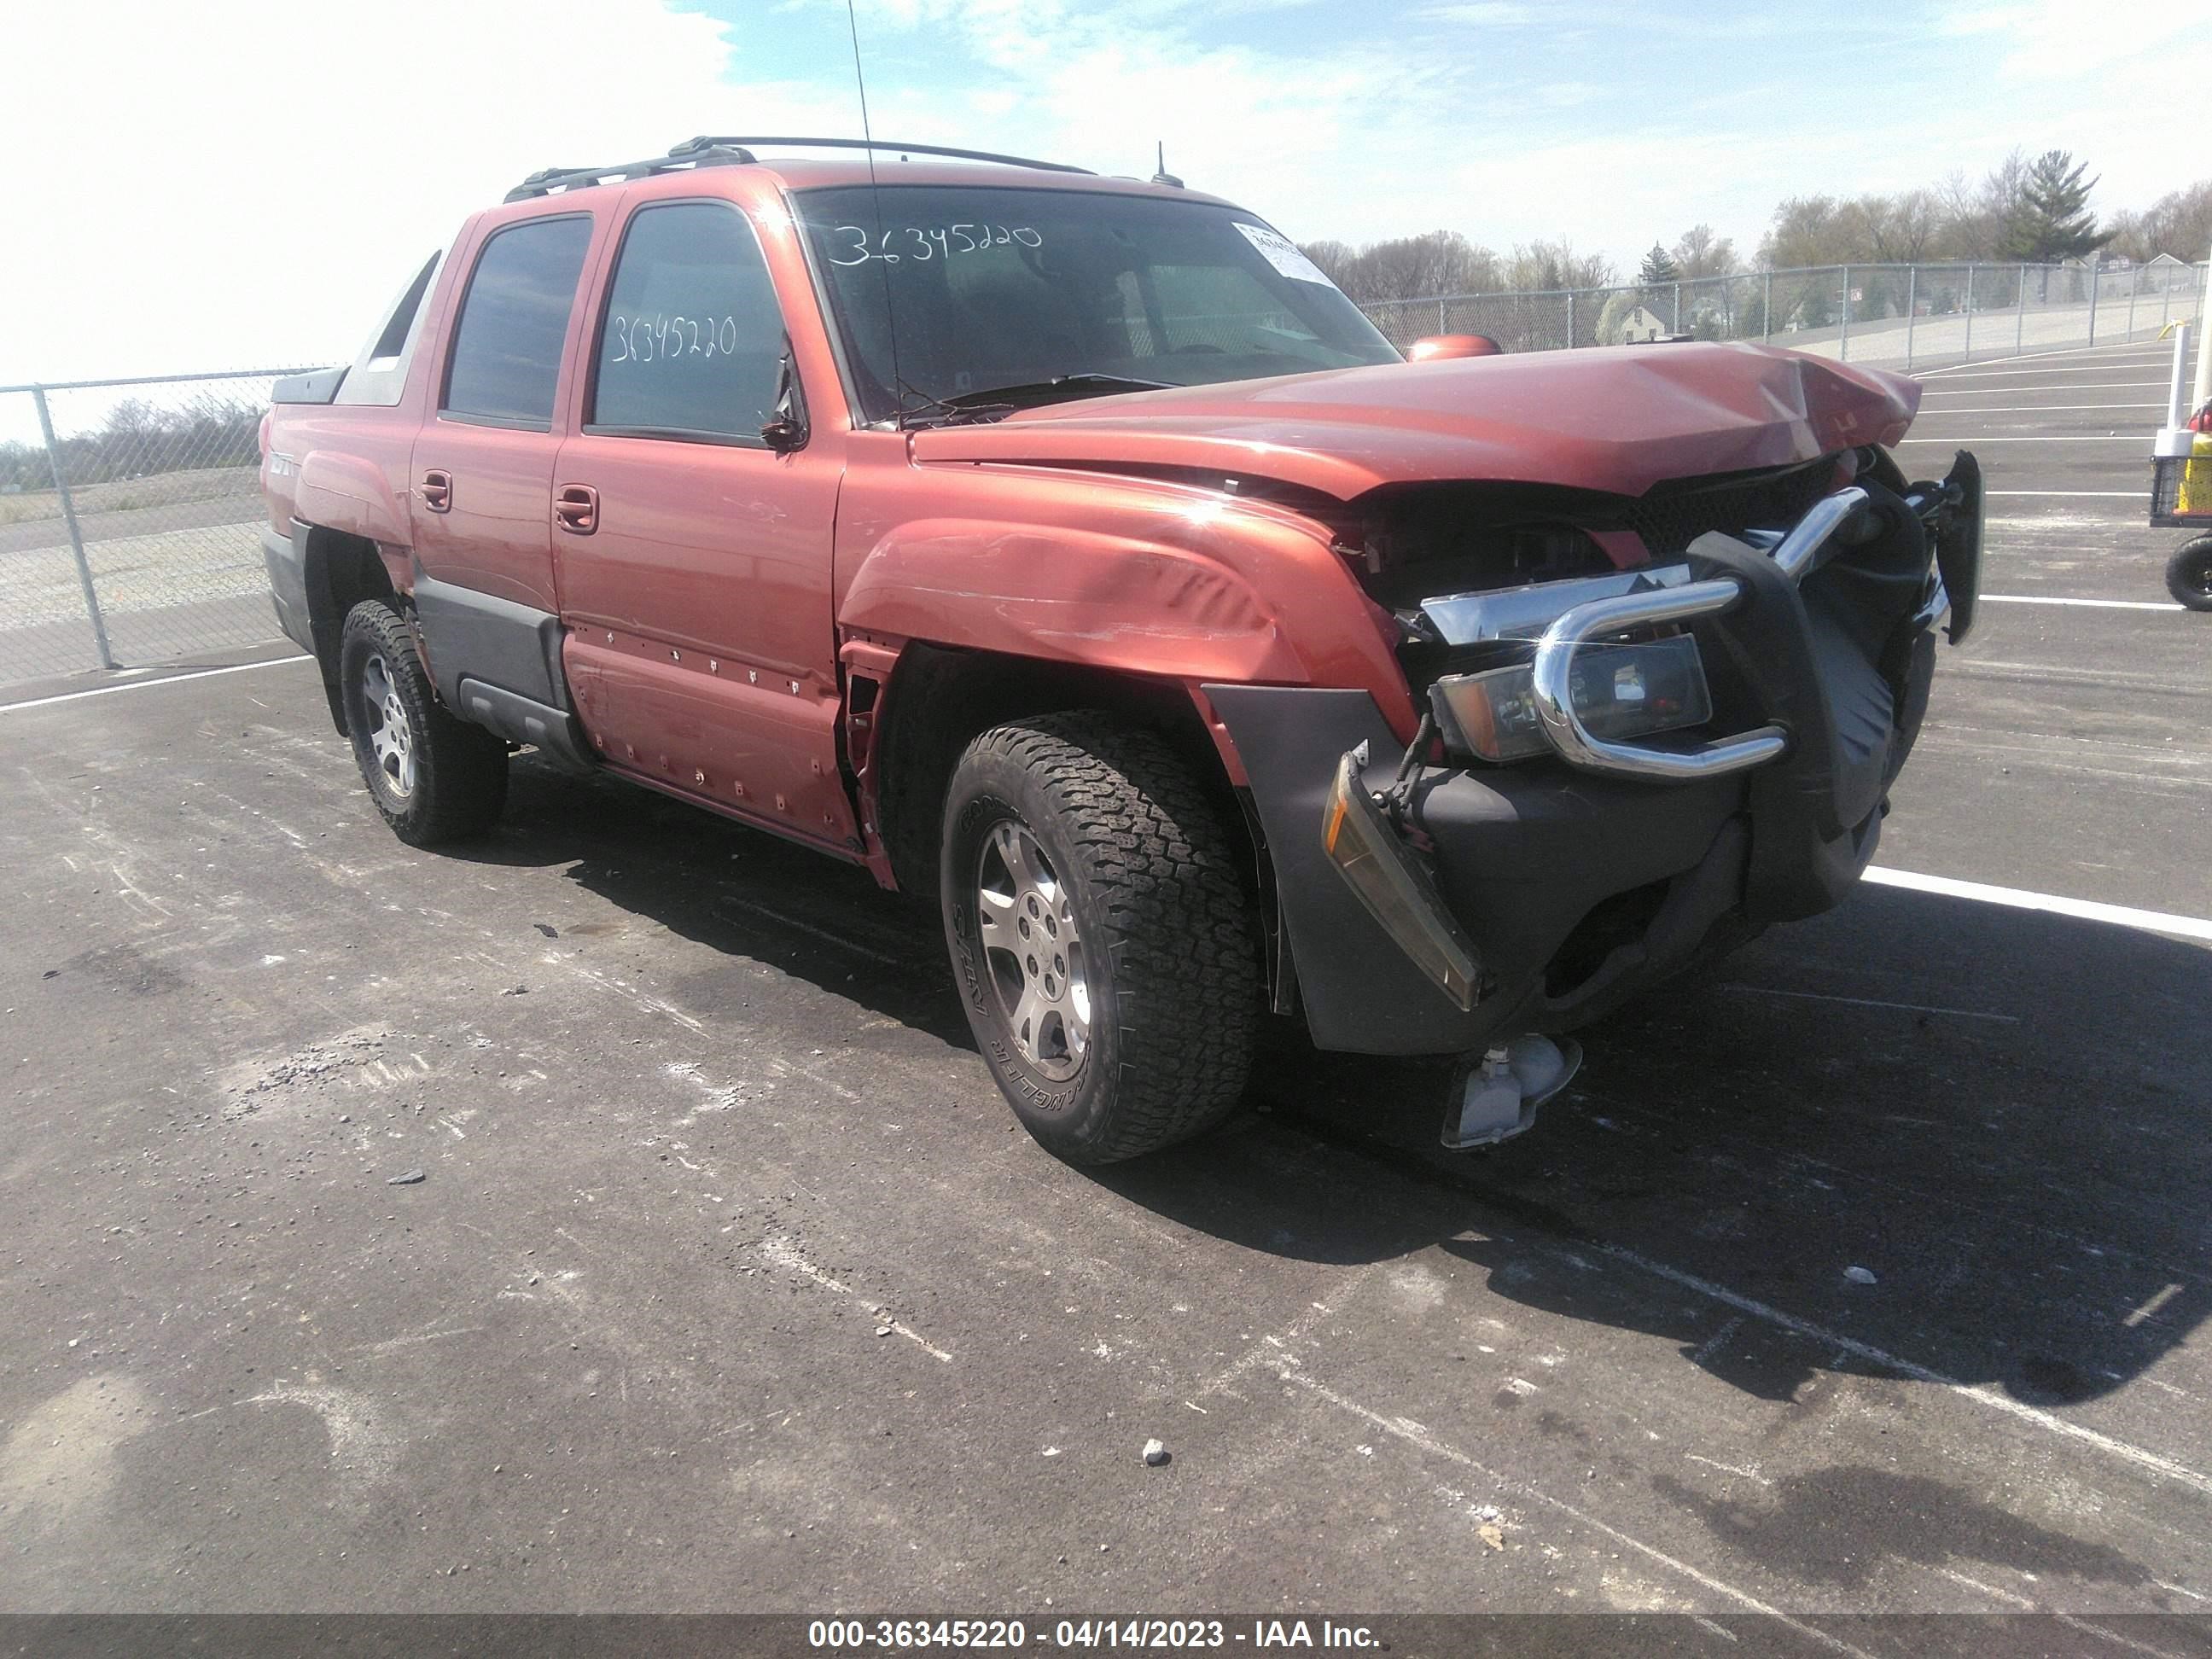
2052	219
1658	269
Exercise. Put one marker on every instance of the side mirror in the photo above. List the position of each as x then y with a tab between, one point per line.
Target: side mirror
1430	348
786	431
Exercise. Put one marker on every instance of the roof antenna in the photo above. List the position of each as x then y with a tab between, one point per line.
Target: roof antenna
1161	175
876	198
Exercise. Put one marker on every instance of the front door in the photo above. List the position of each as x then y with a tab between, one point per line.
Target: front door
692	552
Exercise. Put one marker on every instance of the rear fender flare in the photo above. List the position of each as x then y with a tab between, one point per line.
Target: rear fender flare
346	493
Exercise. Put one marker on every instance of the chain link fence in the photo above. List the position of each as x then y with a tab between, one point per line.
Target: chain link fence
130	522
1920	316
130	510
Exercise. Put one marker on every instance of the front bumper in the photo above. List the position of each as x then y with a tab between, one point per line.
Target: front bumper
1580	880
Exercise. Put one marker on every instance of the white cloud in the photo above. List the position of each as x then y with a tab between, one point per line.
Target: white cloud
2071	38
207	185
1485	12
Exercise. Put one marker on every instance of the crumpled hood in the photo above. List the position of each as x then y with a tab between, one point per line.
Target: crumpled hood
1619	419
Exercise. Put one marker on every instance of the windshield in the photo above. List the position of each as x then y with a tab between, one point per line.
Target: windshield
993	287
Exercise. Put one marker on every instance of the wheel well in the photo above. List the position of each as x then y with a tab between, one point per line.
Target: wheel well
341	571
940	699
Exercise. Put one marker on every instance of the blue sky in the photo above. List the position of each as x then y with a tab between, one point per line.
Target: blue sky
249	180
1513	119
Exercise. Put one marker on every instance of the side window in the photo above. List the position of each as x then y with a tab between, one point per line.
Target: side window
391	339
506	348
693	342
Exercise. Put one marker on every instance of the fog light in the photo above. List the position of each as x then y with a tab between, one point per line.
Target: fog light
1620	691
1396	890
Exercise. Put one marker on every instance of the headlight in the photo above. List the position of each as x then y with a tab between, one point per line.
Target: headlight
1620	691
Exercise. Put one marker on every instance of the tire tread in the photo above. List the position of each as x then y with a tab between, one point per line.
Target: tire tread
461	770
1180	919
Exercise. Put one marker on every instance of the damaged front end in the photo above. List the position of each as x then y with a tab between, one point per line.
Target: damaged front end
1621	771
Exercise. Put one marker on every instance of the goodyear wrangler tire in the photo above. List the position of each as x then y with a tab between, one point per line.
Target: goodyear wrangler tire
1103	938
434	777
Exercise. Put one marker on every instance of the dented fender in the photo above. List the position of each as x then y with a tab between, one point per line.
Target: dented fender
1161	580
351	494
1074	596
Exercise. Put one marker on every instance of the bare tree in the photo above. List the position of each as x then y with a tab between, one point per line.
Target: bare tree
1902	228
1701	253
2178	222
1408	267
1808	230
1549	267
1335	259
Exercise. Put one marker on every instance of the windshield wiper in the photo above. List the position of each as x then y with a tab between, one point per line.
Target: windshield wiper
1059	386
994	403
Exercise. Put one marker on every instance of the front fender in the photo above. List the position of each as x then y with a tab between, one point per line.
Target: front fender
1143	577
1073	596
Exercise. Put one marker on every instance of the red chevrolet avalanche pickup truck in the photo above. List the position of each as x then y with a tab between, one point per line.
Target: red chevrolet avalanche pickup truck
1069	550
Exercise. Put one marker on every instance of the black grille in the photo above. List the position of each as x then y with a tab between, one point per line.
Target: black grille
1674	514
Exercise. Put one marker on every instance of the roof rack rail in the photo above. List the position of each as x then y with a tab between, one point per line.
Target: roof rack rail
697	146
547	180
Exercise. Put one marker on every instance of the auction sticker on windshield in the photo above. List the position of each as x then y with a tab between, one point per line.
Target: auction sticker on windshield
1282	253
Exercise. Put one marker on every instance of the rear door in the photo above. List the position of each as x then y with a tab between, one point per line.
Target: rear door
692	558
482	488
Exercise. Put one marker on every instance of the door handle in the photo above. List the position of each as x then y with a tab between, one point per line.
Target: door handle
437	490
576	506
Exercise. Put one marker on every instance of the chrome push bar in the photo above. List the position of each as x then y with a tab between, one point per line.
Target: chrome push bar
1798	554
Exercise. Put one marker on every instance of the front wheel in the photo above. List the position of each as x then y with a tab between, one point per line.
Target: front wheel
1104	937
2189	574
433	776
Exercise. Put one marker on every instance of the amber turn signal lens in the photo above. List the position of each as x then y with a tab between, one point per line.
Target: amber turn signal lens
1380	869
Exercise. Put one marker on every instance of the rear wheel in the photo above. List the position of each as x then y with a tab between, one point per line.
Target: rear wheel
433	776
1104	941
2189	574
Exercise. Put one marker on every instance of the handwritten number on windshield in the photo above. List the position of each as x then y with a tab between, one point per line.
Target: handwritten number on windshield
661	338
852	245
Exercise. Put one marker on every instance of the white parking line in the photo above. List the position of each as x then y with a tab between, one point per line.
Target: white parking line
2018	898
1420	1438
2022	391
2006	374
2140	439
2095	605
2106	354
2068	494
2141	1456
142	685
2040	409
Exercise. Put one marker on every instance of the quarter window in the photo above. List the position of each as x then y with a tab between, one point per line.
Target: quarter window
507	347
693	345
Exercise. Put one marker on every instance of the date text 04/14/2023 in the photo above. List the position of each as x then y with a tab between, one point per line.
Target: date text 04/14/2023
1260	1634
